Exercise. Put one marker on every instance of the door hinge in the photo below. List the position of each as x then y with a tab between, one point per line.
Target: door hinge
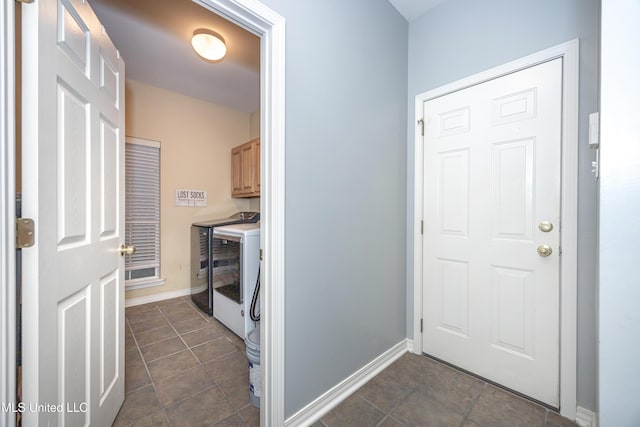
421	226
260	254
421	325
421	123
25	233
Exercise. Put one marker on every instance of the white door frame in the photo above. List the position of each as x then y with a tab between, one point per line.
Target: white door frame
569	52
7	214
269	26
256	17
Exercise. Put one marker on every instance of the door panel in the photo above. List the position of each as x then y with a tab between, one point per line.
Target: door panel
109	330
453	194
73	141
453	283
492	174
512	310
109	169
512	189
74	355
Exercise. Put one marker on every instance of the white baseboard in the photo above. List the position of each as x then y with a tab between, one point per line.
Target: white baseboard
132	285
586	417
411	347
329	400
157	297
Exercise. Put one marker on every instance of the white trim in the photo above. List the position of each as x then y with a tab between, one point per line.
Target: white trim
261	20
132	302
411	348
332	398
130	285
569	51
7	213
586	418
418	190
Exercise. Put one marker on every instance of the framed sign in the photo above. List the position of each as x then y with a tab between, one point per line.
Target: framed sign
191	198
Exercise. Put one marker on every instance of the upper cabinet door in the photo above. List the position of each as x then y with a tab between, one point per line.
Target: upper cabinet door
236	171
245	169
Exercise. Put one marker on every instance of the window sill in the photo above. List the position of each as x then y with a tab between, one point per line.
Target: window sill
131	285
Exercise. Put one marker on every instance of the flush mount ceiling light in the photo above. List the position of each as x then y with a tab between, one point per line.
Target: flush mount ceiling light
208	44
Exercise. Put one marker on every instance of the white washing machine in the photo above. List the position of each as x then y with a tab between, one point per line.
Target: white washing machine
236	262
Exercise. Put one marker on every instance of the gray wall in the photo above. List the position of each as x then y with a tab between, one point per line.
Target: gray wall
619	219
462	37
346	71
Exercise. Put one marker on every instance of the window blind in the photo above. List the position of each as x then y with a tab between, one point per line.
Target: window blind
142	210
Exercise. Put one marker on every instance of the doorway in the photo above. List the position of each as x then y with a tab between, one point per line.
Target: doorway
449	302
270	27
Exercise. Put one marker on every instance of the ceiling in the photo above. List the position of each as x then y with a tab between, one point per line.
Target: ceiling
154	38
412	9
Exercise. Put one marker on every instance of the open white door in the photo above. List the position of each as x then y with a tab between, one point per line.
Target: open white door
73	186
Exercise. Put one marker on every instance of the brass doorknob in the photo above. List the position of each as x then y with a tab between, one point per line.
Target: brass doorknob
127	250
544	250
545	226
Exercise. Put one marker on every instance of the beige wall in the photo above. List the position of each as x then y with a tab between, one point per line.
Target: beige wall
196	139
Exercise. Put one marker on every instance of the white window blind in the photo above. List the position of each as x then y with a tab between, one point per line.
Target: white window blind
142	210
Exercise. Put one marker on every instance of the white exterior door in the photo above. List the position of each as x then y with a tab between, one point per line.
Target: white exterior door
491	183
73	187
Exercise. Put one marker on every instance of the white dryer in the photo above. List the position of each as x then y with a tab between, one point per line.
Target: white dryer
236	262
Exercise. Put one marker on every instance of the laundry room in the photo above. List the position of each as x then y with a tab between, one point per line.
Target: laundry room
192	168
195	110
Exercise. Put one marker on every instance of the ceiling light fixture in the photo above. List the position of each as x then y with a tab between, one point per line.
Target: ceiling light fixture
208	44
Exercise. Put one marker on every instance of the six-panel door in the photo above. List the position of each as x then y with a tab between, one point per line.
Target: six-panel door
73	150
492	175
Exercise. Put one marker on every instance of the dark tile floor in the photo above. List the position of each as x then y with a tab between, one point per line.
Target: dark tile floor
418	391
184	368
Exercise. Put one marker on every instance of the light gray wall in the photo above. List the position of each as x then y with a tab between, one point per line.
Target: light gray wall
462	37
619	216
346	72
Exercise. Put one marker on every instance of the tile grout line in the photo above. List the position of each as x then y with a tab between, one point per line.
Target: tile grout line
215	384
153	382
465	417
156	342
394	407
488	384
181	339
155	391
144	362
243	418
413	390
386	414
151	379
421	381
